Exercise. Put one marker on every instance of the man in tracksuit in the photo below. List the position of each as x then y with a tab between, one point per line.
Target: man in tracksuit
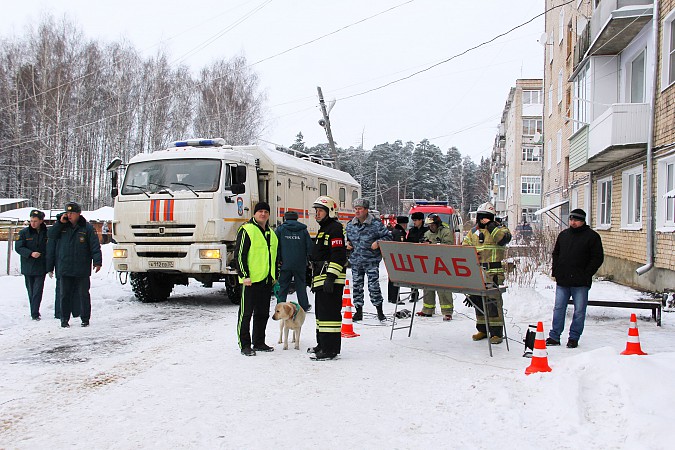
295	247
329	260
76	248
32	246
256	253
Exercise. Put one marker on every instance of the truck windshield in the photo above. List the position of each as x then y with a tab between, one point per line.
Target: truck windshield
199	175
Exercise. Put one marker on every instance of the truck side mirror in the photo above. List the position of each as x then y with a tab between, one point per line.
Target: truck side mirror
238	188
113	179
239	175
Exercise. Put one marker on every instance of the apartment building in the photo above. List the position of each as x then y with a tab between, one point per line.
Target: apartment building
516	155
608	130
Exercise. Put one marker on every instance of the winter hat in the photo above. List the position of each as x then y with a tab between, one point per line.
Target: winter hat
73	207
261	206
37	213
402	219
417	216
362	202
578	214
290	215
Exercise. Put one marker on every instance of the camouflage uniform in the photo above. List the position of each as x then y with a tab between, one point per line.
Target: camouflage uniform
364	260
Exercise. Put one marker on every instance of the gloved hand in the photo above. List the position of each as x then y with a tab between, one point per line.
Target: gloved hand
51	274
490	226
328	285
467	302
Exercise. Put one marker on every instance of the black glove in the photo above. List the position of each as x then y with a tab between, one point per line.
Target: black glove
467	302
328	285
490	226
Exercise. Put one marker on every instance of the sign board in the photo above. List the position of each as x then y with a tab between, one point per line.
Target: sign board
437	266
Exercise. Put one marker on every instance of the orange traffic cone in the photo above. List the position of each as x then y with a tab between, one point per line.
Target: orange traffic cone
633	343
347	330
539	354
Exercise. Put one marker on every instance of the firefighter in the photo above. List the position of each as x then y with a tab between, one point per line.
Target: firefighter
256	251
437	234
329	258
490	240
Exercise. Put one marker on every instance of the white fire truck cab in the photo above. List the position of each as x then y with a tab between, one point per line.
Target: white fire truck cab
178	210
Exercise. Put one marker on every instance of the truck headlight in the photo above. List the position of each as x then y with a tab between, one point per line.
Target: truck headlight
209	254
120	253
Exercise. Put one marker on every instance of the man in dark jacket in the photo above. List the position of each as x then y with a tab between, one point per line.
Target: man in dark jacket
577	255
416	235
398	234
32	246
295	247
76	249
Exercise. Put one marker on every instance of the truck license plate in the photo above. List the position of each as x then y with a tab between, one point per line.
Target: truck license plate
160	264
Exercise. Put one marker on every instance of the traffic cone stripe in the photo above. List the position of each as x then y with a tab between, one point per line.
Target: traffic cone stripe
539	353
634	339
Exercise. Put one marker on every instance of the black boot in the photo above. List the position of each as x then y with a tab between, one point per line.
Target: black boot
380	315
358	315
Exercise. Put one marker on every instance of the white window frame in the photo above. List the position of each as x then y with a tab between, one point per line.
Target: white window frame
558	147
665	207
560	86
629	72
561	25
535	128
501	192
531	153
604	203
529	94
549	153
550	100
582	105
632	184
549	47
530	185
668	52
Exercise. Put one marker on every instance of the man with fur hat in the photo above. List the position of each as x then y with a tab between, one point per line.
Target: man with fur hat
295	248
490	240
256	253
32	246
76	249
363	233
577	255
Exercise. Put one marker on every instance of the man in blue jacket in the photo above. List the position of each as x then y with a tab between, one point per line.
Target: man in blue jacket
32	246
76	249
295	247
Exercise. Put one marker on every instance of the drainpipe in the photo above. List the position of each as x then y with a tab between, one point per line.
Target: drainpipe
651	231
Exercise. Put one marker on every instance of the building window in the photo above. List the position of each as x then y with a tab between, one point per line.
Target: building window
550	100
582	92
323	189
560	86
531	126
549	153
631	198
531	154
527	215
558	147
561	25
355	195
637	79
530	185
549	48
605	202
668	51
665	195
343	197
501	195
532	97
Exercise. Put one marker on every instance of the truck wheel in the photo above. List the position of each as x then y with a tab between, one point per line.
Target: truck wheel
233	289
150	287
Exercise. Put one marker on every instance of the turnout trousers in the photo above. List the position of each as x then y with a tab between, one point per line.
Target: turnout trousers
255	302
328	309
75	299
444	298
35	284
495	314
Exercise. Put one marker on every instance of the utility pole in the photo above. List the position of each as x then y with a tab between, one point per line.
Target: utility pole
377	166
325	123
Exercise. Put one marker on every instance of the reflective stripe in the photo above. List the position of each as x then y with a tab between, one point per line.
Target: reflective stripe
538	353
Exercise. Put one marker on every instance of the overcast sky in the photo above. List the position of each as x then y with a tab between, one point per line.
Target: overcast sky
457	103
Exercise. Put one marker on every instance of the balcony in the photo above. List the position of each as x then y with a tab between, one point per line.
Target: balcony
615	23
619	133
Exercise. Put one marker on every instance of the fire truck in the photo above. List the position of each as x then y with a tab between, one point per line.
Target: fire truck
449	215
177	211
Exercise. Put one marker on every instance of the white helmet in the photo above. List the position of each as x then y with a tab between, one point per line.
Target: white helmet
328	204
487	208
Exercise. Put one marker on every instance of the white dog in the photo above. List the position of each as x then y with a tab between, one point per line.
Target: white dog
292	317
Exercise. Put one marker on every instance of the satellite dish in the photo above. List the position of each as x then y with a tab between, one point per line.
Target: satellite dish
536	137
543	39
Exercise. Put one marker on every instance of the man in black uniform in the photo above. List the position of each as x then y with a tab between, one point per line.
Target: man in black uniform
329	257
32	246
416	235
398	235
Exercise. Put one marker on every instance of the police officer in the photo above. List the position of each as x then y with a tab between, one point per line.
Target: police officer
398	234
32	246
76	248
256	251
363	233
329	258
490	240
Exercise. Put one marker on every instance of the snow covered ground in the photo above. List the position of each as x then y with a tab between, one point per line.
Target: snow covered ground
169	375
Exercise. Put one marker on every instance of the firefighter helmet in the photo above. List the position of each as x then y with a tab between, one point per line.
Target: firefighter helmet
433	219
328	204
487	208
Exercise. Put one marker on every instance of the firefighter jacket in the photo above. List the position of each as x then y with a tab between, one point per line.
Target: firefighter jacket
329	254
256	252
32	240
577	255
361	236
490	243
76	247
443	235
